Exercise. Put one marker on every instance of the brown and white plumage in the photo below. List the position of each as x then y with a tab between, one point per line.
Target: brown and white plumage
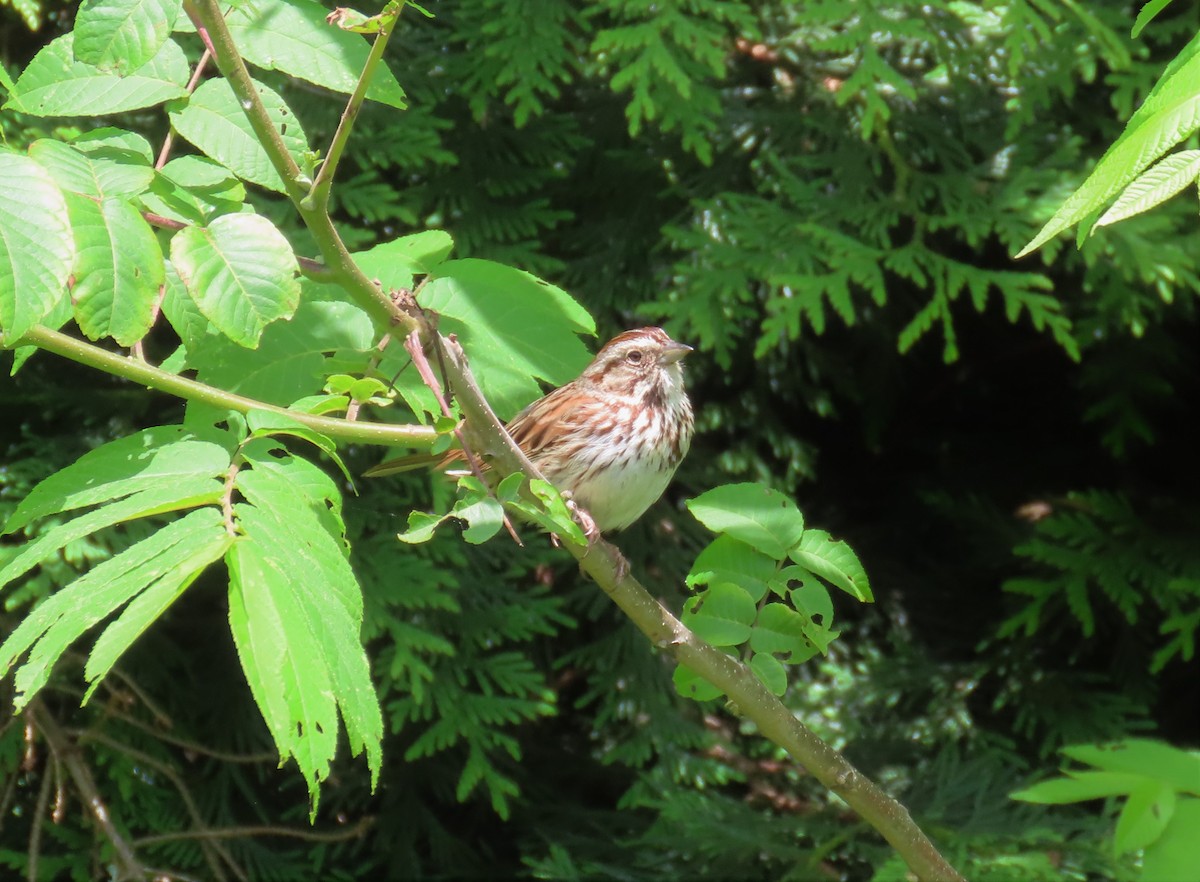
613	437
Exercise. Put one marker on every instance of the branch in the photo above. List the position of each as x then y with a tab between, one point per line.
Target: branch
318	197
129	866
353	832
156	378
604	563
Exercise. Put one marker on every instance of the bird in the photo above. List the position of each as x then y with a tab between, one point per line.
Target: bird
609	440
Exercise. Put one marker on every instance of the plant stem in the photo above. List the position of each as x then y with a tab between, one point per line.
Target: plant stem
318	196
156	378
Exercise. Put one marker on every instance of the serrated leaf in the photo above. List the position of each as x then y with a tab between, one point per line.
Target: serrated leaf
214	121
491	308
122	35
1154	759
755	514
770	671
1154	186
280	481
834	561
298	637
56	84
146	460
727	559
118	145
65	616
691	685
722	615
207	545
293	36
780	630
186	493
266	424
241	273
36	246
552	513
1148	11
1080	787
1144	816
118	269
91	174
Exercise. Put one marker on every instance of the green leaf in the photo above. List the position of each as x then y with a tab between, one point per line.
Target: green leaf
291	360
65	616
484	517
92	173
278	478
691	685
147	460
1169	115
118	269
36	246
1144	17
186	493
552	513
116	144
835	562
293	36
421	527
753	513
1154	759
214	121
122	35
194	189
1144	816
298	638
722	615
240	271
207	545
491	308
56	84
1154	186
268	423
781	630
1080	787
770	671
726	559
1174	856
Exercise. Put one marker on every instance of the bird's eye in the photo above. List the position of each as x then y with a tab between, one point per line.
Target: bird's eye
634	357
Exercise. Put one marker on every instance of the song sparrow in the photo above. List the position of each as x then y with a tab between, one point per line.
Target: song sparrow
613	437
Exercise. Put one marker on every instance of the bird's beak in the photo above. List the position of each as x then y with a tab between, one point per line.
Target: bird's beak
673	352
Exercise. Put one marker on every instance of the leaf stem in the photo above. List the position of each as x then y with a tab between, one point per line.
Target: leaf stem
318	196
164	381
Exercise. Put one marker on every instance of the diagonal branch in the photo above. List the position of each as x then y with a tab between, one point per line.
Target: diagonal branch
128	864
604	563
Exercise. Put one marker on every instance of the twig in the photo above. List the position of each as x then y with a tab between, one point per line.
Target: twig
185	794
318	195
191	746
127	860
413	345
147	375
241	832
165	153
227	498
39	818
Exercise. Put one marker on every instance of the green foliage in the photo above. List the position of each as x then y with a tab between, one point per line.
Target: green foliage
1160	785
1078	566
752	595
